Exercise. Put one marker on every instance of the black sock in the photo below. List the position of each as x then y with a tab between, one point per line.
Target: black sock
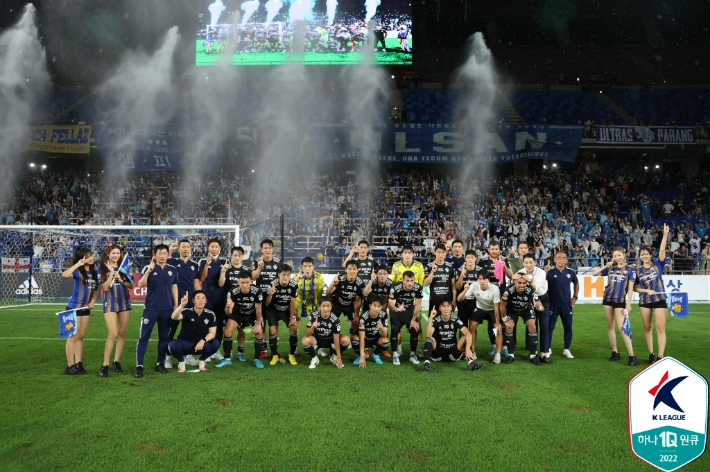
394	343
258	348
531	343
356	346
240	349
378	350
508	342
293	342
343	348
274	343
310	350
428	347
384	346
413	341
227	345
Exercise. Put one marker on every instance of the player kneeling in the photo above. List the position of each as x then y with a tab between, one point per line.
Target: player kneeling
323	331
372	332
198	331
520	301
441	345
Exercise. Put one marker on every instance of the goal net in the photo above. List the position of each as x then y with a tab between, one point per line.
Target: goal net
34	257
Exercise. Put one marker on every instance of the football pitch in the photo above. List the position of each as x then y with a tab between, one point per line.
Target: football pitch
391	57
568	416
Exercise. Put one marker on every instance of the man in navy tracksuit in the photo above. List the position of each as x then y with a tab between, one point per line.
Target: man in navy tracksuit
199	328
210	268
160	301
562	301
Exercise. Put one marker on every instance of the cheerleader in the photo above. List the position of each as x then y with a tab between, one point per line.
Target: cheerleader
652	297
83	272
117	306
617	298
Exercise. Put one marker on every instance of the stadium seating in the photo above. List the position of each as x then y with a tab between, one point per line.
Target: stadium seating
684	107
569	108
436	106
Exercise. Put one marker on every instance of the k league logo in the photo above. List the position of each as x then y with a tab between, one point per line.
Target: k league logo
668	414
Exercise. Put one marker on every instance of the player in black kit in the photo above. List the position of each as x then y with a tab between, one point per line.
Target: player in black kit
280	305
466	274
372	332
244	309
265	271
489	265
520	301
439	277
229	275
405	303
347	292
323	331
441	344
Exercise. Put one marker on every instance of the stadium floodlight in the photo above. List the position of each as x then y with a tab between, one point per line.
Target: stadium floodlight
645	167
32	164
554	165
44	166
657	166
544	166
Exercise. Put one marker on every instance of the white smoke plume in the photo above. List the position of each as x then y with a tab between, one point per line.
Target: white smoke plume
23	77
216	10
141	92
371	8
272	9
331	5
249	9
301	10
477	106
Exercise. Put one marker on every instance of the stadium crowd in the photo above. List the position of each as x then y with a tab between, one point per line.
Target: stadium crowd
584	214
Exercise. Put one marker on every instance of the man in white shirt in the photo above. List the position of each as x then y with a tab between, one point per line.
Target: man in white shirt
487	297
537	279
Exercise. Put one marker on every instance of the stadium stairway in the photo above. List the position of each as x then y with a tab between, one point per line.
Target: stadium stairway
618	109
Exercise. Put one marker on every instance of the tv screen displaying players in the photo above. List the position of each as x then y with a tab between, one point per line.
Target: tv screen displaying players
271	32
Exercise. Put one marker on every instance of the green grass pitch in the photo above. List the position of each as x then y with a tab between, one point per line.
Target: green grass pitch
337	58
570	416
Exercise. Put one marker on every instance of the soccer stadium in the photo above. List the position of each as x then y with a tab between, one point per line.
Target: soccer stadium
228	226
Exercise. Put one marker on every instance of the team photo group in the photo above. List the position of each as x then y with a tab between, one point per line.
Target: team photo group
200	307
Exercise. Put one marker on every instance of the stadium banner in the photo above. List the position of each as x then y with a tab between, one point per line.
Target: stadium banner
59	139
591	289
151	148
645	134
444	142
15	264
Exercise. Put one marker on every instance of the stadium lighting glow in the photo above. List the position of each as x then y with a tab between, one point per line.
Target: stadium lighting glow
577	79
554	165
44	166
32	164
645	167
544	166
393	76
657	166
252	170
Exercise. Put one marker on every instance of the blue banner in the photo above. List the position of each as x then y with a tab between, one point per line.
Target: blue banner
645	134
447	143
67	323
678	304
149	148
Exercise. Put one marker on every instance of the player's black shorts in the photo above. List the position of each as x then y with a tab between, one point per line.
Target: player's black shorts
525	315
466	308
244	321
658	304
325	343
84	312
273	316
614	304
371	342
347	310
401	319
446	354
479	316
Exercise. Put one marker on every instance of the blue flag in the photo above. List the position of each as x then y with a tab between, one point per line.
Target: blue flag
626	327
67	323
125	267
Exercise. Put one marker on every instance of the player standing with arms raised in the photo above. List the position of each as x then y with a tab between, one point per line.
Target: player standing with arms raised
210	269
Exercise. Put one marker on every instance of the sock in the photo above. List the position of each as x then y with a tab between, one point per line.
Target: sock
310	350
356	346
258	348
377	351
531	342
274	343
508	342
343	348
428	347
384	347
413	340
240	349
395	344
227	345
293	342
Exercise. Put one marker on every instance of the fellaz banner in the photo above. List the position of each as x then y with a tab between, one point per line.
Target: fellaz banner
645	134
59	139
141	149
447	143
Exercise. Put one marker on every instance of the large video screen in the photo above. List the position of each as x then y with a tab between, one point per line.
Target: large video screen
335	31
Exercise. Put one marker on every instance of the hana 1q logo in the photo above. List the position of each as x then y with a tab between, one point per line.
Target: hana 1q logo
668	414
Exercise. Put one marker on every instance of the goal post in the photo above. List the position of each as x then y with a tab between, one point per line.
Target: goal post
34	256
